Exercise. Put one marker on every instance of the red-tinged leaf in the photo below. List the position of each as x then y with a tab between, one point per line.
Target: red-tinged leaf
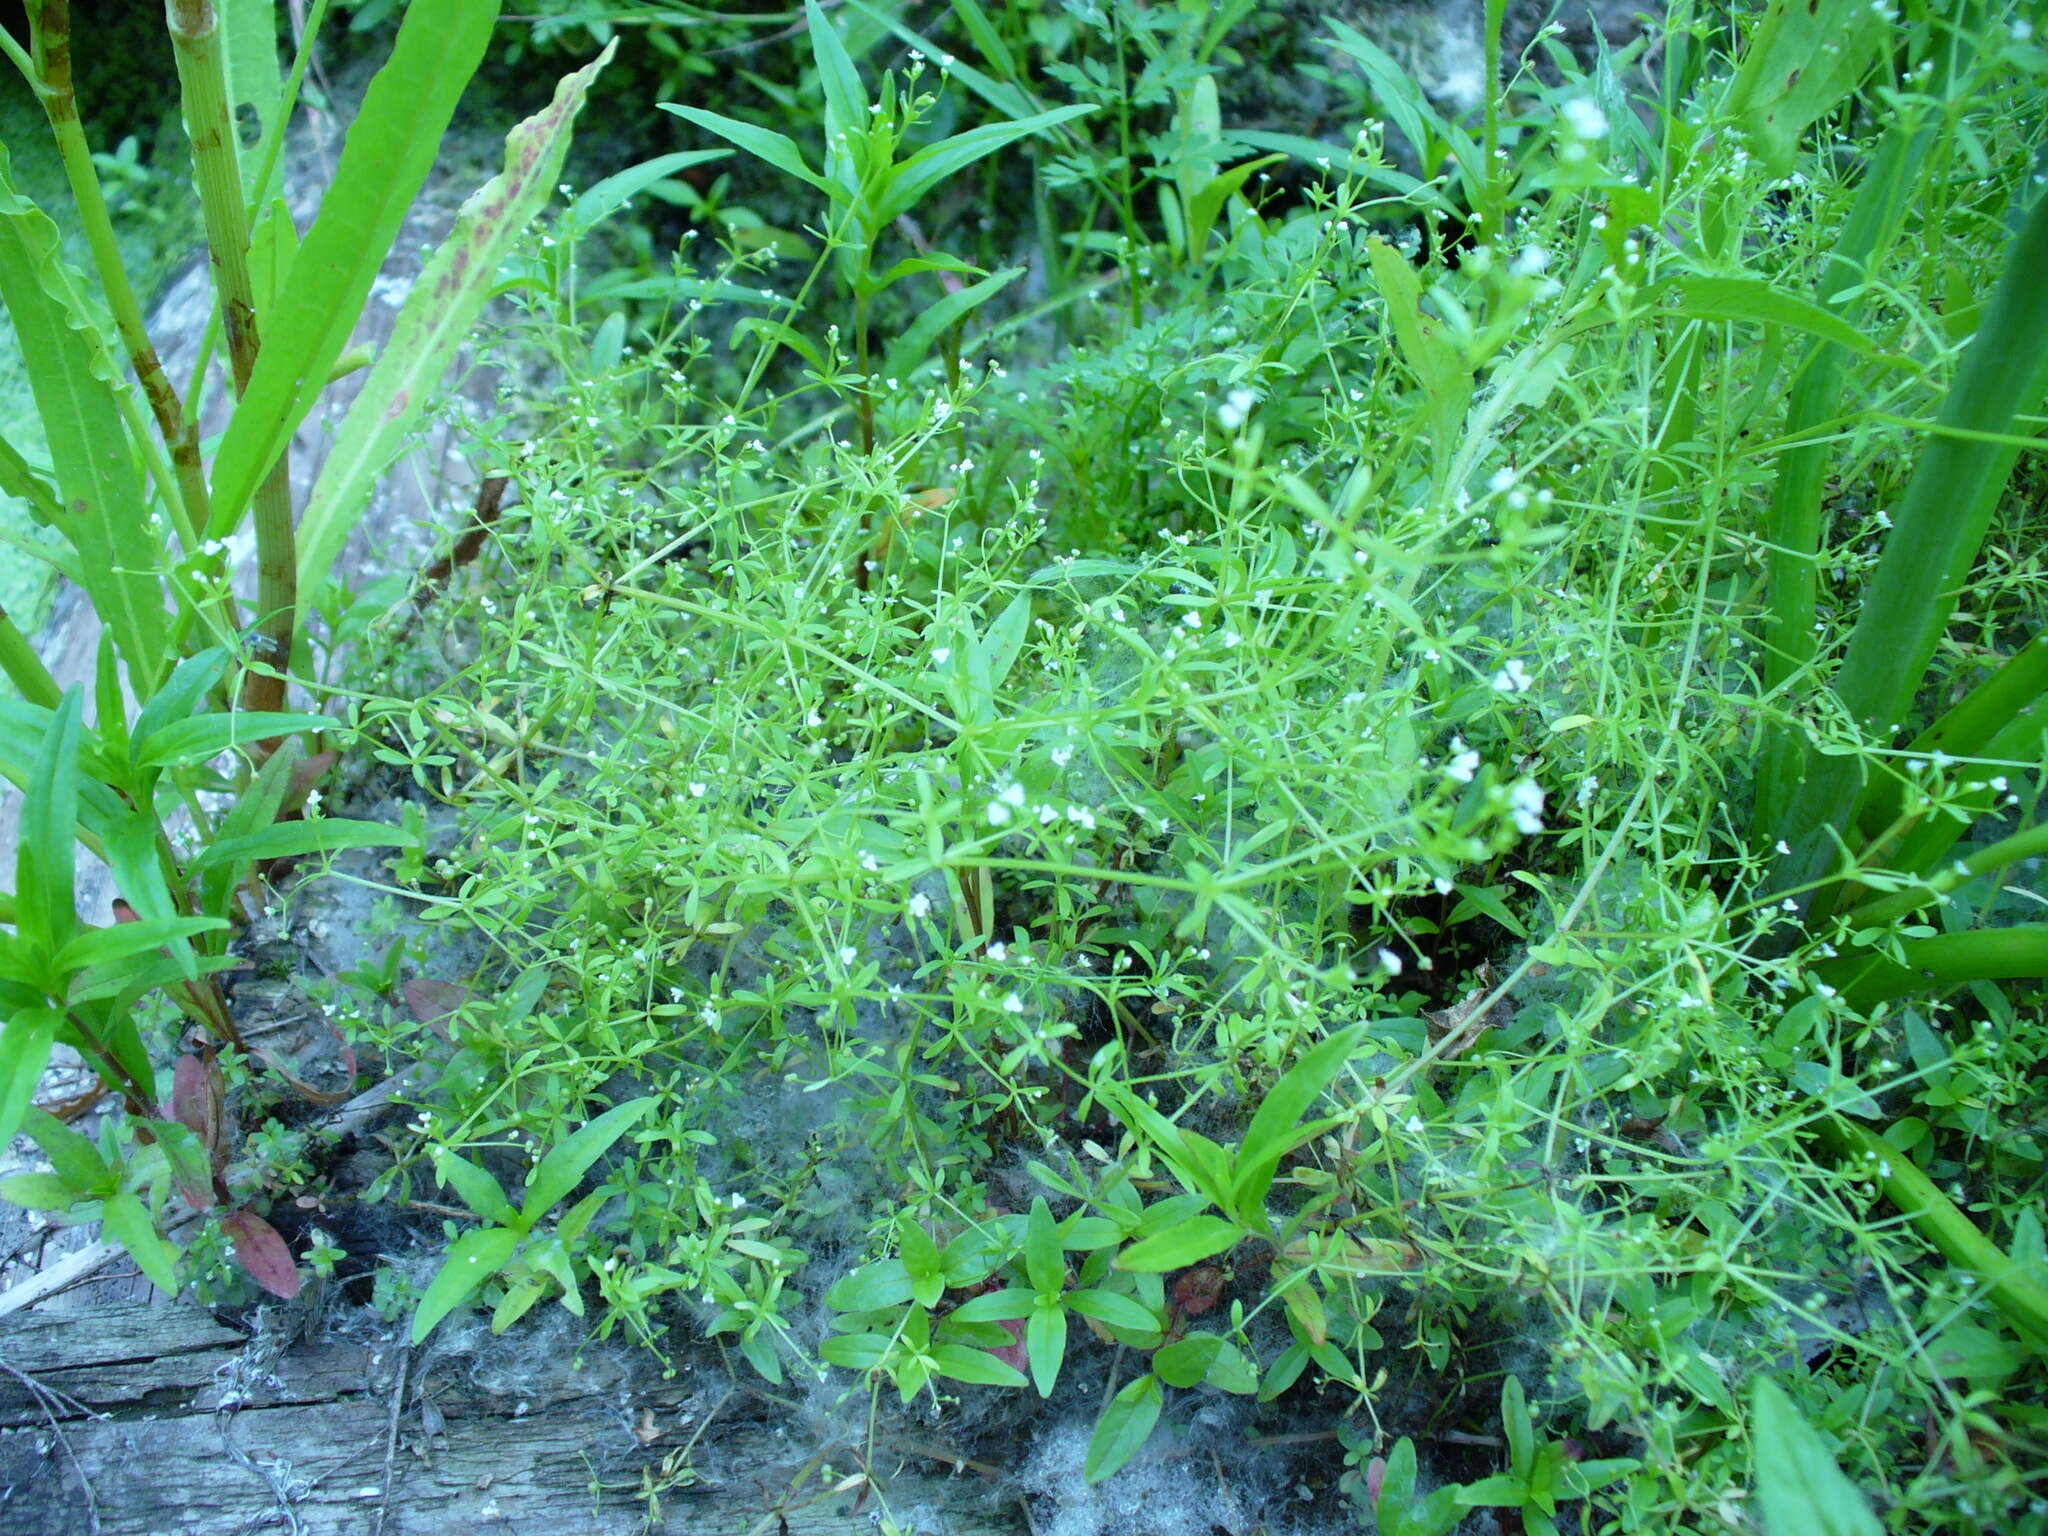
123	913
432	1002
198	1099
260	1251
1199	1289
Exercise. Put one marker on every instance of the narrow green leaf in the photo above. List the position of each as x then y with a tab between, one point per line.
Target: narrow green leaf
479	1190
918	345
560	1171
473	1258
1115	1310
846	100
1798	1483
25	1042
437	315
601	200
1045	1345
978	1366
928	167
75	381
1276	1129
1751	298
391	146
39	1192
45	879
249	33
763	144
997	1306
1125	1426
118	941
126	1220
182	695
295	839
204	737
76	1160
1199	1238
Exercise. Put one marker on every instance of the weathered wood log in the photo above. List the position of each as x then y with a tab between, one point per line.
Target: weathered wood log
178	1423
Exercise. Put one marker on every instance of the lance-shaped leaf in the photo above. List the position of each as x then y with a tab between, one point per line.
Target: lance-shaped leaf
75	381
389	151
438	314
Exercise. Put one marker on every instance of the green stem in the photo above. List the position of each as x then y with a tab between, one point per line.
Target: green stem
1938	963
2030	844
2022	1299
50	38
209	123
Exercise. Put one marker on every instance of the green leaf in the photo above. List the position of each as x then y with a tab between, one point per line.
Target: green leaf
77	387
863	1352
975	1365
45	866
762	143
473	1258
74	1158
392	145
1045	1262
204	737
1125	1426
479	1190
248	32
1750	298
1117	1311
295	839
1804	57
997	1306
846	100
1276	1129
119	941
1045	1344
182	695
40	1192
870	1288
1185	1361
917	345
562	1168
600	201
1199	1238
1798	1484
437	315
126	1220
909	182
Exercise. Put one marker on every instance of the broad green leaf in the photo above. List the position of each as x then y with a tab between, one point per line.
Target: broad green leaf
918	343
1804	57
436	317
182	695
76	385
561	1170
1799	1486
865	1351
921	1258
975	1365
516	1303
1276	1129
391	146
45	865
295	839
763	144
1044	1261
885	1283
997	1306
1185	1361
1125	1426
1439	366
473	1258
1200	1238
204	737
126	1220
479	1190
911	180
1400	1513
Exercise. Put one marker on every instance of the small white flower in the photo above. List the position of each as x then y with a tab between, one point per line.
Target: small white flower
1464	762
941	655
1513	678
1390	962
1235	408
1588	787
920	905
848	954
999	951
1584	118
697	789
1013	1004
1525	804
